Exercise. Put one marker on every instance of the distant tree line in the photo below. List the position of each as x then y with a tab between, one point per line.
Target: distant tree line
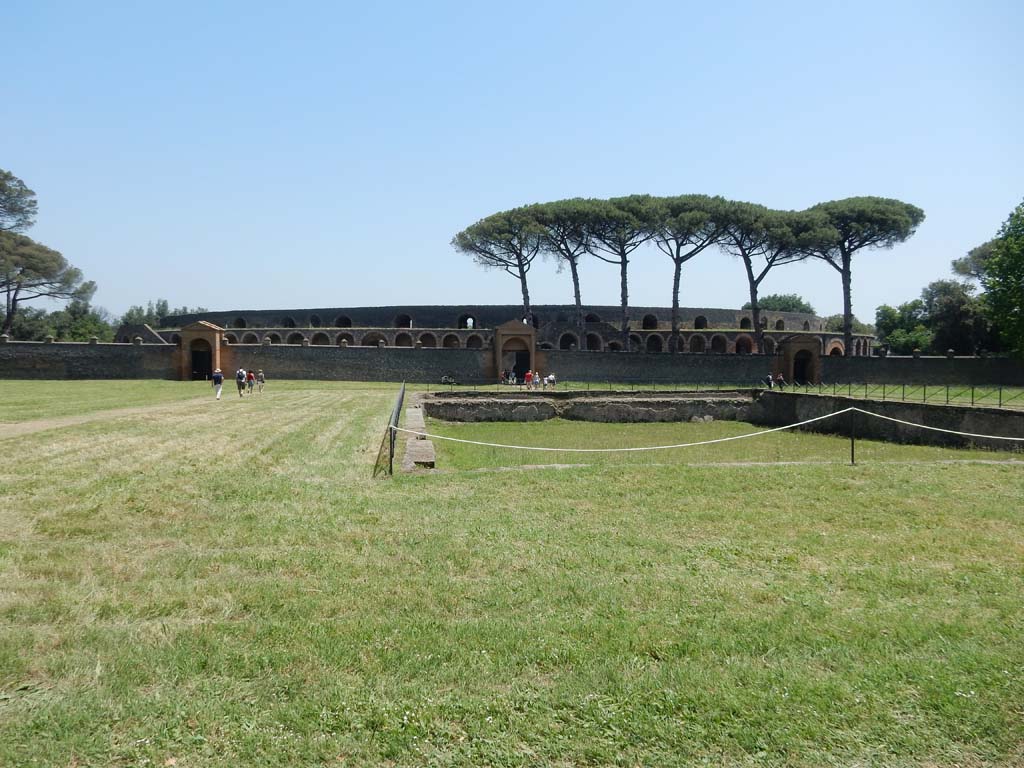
683	227
953	315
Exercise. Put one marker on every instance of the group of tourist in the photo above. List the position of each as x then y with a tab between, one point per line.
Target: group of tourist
778	380
247	380
531	379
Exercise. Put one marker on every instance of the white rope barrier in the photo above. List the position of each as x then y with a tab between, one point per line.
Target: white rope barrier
701	442
935	429
625	450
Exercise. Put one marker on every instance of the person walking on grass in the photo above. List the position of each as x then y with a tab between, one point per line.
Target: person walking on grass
250	380
218	382
240	381
261	380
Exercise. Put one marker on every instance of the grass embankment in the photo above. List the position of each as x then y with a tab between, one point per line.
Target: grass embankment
225	586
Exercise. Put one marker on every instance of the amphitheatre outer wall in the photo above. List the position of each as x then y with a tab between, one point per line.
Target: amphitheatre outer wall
38	360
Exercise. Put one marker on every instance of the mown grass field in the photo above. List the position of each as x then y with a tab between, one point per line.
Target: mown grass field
220	584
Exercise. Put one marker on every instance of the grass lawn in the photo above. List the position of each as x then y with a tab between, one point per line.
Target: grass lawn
223	585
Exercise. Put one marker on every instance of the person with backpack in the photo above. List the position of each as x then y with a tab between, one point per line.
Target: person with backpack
240	381
218	382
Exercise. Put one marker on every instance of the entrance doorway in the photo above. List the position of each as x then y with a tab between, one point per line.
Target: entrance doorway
202	359
522	364
803	367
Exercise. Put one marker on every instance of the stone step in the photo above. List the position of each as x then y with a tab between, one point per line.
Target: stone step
414	420
419	454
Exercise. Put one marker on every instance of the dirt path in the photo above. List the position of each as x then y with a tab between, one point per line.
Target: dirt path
18	429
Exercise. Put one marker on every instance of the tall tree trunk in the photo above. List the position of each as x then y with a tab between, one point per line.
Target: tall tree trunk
755	310
527	312
673	342
625	300
576	293
12	308
847	308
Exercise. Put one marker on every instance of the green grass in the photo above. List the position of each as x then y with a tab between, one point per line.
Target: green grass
224	585
27	400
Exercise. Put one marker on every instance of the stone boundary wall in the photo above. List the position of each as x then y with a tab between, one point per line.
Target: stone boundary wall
71	360
609	408
360	363
992	371
776	409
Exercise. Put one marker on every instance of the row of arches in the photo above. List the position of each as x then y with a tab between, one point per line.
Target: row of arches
371	339
698	343
469	322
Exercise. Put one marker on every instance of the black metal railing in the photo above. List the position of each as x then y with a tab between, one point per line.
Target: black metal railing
386	453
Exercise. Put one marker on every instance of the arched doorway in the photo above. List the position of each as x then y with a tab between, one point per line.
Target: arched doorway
320	339
474	342
719	345
780	325
403	321
744	345
698	344
202	359
295	338
745	323
594	342
700	322
649	323
250	338
451	341
654	343
803	367
466	322
592	318
342	321
428	340
314	322
515	354
567	341
403	340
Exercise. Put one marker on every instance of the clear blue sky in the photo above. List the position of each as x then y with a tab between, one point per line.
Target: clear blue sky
258	155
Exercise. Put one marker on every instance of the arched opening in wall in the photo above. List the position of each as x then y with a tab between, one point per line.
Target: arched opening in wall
546	345
451	341
649	323
764	322
807	325
700	322
567	340
466	322
202	359
428	340
314	322
175	338
592	318
594	343
342	321
250	338
295	338
238	322
614	346
275	338
769	345
655	343
373	339
635	342
745	324
320	339
698	344
347	338
744	345
803	367
836	351
403	340
474	342
719	344
780	325
516	353
403	321
288	322
230	338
